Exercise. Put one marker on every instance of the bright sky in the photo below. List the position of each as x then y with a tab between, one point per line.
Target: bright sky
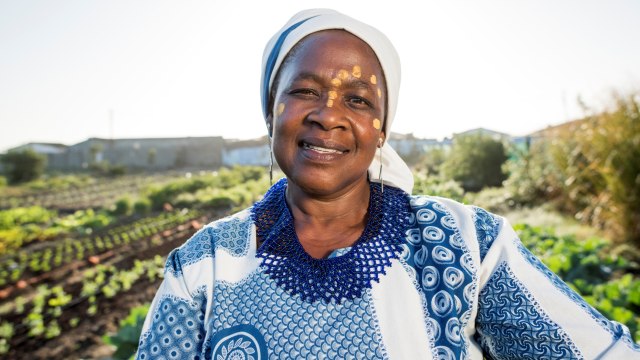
191	68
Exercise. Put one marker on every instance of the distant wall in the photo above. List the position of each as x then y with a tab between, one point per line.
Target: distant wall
142	153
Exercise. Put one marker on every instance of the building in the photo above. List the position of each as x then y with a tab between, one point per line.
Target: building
246	152
52	151
496	135
214	151
143	153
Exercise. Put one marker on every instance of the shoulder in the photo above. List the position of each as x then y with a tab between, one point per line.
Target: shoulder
475	225
229	234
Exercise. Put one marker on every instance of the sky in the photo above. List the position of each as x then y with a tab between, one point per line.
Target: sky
74	69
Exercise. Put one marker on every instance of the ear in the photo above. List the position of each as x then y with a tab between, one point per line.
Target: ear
269	121
383	138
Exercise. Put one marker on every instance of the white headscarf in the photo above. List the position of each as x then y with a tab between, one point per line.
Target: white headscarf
394	170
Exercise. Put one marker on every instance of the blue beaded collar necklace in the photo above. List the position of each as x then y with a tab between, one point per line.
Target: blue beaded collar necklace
333	279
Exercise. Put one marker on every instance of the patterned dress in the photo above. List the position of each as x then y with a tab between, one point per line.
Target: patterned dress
429	279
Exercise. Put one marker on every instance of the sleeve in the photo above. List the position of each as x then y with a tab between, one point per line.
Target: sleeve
175	324
525	311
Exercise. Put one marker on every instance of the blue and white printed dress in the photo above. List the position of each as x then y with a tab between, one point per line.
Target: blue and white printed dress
429	279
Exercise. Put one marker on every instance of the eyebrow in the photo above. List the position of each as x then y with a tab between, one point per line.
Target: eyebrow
358	83
350	82
307	76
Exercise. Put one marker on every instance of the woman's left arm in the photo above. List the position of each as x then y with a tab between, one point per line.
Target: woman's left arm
525	310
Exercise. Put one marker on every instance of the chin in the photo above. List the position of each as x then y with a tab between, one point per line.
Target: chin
324	184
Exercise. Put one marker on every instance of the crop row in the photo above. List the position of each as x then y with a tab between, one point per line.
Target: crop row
20	227
57	308
64	251
96	194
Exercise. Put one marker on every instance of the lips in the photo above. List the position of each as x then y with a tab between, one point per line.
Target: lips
323	147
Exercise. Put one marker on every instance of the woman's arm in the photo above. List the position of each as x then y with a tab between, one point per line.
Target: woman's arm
175	325
526	311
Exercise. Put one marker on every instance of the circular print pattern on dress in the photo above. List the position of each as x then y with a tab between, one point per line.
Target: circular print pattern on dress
240	342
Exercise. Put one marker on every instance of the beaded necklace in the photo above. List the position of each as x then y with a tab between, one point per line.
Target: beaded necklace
334	279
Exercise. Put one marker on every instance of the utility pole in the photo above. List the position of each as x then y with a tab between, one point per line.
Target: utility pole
111	124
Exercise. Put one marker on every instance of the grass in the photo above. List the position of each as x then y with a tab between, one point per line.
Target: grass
546	217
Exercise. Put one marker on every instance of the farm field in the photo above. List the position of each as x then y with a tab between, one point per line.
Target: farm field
76	255
80	257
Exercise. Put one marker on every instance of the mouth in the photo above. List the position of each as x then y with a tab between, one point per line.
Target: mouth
320	149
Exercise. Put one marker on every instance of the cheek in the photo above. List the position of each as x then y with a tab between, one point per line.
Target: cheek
285	127
368	135
282	148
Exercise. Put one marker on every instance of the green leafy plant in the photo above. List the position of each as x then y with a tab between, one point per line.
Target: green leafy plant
6	333
128	335
604	279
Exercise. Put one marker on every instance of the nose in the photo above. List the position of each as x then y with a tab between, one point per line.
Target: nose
329	115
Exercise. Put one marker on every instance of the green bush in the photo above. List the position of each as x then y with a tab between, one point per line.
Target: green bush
23	166
475	162
588	168
117	170
122	207
250	172
142	206
534	177
437	186
169	192
431	162
220	202
494	199
199	190
603	172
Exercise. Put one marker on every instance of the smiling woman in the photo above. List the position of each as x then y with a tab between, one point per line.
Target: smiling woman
325	138
338	261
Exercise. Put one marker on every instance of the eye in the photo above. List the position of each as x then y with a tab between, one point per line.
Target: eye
303	92
359	102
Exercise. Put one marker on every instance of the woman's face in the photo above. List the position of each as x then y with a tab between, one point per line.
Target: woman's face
328	109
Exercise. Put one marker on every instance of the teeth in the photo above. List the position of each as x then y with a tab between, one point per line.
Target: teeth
321	149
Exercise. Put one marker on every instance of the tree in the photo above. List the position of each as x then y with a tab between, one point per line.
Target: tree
431	161
598	158
476	162
22	166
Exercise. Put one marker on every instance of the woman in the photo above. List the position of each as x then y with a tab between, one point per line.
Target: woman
338	261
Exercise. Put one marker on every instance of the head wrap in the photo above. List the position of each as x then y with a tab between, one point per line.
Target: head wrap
394	170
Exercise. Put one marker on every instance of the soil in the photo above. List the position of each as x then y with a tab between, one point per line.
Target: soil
85	340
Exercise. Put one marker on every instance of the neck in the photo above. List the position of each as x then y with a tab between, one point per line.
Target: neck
326	223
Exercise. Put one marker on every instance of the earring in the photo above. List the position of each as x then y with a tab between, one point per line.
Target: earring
270	163
270	155
380	159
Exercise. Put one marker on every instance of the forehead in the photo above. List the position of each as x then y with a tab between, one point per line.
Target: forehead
332	49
